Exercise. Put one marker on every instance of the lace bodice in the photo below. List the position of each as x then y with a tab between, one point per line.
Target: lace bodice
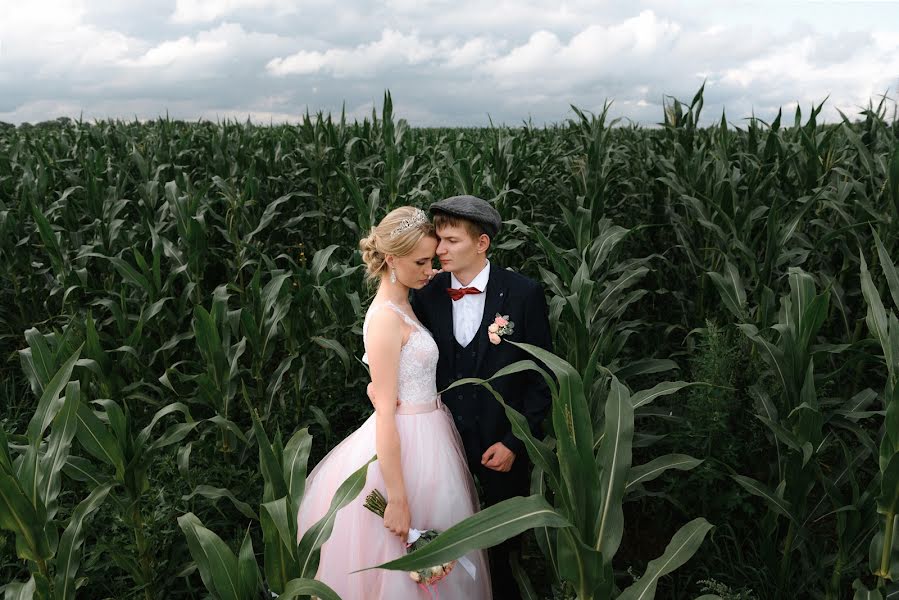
418	359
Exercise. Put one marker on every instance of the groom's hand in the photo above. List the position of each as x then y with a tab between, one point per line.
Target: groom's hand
498	457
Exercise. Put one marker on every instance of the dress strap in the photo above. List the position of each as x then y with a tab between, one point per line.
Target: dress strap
375	306
399	311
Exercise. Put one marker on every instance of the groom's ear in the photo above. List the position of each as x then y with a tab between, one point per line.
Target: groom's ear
483	243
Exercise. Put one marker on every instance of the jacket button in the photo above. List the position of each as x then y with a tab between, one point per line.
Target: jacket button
460	396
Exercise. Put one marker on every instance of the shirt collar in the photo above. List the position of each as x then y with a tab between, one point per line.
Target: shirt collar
479	282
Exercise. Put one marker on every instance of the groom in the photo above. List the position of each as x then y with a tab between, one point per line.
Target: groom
457	307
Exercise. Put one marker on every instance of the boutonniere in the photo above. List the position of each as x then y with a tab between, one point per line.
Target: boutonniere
501	326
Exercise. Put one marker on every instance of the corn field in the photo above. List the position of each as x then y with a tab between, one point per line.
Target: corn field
180	326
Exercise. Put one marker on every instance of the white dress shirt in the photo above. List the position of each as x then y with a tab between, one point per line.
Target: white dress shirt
468	311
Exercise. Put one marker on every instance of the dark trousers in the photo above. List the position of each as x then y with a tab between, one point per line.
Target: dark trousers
497	487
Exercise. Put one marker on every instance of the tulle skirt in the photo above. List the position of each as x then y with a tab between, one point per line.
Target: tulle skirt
441	493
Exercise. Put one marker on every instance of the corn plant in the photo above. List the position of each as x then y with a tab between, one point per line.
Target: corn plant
188	211
261	322
108	431
884	548
804	429
591	292
217	386
30	486
126	452
728	216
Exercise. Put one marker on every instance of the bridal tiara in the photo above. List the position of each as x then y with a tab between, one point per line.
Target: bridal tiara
418	218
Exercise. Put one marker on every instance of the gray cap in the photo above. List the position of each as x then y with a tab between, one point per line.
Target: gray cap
473	209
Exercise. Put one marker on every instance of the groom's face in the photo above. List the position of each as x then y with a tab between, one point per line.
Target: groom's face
458	250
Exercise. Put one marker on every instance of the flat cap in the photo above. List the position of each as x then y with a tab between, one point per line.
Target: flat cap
473	209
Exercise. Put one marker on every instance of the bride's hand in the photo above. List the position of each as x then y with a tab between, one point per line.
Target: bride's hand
397	518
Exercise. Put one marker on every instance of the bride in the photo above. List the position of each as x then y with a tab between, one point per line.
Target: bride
421	466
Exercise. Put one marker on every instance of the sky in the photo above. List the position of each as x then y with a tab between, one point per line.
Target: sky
445	62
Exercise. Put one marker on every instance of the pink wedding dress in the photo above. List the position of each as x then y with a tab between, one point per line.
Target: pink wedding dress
439	486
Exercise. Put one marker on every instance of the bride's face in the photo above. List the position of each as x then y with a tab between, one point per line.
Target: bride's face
414	269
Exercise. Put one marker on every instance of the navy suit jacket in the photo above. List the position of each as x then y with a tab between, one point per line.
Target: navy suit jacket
482	422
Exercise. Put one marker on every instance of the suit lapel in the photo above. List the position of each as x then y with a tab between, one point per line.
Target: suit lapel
496	296
443	324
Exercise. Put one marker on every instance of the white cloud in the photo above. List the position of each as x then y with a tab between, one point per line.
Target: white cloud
515	18
393	49
205	54
445	61
49	15
795	71
49	39
595	50
203	11
185	47
473	52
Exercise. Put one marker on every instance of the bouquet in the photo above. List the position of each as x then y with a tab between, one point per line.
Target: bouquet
376	503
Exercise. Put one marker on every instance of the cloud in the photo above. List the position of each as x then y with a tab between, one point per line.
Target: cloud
50	39
204	11
220	52
447	62
797	71
393	49
473	52
167	53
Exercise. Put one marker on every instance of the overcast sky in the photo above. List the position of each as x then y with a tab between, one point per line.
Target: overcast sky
446	62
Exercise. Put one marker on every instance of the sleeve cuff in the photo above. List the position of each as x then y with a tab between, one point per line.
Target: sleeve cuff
514	444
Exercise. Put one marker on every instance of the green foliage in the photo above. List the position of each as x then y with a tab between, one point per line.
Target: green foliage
716	423
209	273
725	592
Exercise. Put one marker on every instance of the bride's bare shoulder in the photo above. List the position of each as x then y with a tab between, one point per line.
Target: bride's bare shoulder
383	317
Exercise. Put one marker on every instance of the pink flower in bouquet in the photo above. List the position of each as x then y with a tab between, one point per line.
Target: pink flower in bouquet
494	339
501	322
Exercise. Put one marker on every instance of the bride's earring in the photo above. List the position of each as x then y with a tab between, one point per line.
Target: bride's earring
392	275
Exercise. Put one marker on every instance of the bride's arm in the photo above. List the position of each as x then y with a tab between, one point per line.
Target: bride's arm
384	344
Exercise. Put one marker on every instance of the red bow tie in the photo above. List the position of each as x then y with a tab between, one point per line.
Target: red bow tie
456	294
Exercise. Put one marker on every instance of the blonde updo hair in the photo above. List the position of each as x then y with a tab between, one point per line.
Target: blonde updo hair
379	242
